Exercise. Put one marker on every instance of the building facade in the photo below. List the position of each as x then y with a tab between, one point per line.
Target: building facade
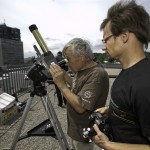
11	46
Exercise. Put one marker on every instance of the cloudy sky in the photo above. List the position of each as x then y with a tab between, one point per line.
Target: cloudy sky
58	21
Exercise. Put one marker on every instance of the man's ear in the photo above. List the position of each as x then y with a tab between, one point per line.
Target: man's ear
125	37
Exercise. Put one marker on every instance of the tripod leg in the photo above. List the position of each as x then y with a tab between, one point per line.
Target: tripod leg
26	110
55	122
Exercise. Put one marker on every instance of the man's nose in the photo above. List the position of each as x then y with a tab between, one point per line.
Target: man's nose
104	48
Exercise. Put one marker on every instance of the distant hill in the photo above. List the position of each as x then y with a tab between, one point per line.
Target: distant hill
29	54
102	57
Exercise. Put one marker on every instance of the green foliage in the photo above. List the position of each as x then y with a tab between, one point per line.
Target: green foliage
102	57
147	54
29	60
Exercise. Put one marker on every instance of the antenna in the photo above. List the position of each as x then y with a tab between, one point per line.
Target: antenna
4	22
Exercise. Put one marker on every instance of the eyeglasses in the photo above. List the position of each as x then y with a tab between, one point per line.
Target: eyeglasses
106	39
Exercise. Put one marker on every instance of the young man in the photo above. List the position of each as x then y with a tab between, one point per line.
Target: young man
126	31
88	89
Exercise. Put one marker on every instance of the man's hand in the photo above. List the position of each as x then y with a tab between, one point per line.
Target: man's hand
100	138
103	111
57	74
102	141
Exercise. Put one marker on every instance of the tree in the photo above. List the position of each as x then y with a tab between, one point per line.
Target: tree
147	54
103	58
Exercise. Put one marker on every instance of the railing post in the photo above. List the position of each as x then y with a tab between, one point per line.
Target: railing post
12	79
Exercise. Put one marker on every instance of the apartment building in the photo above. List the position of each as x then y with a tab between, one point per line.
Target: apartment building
11	46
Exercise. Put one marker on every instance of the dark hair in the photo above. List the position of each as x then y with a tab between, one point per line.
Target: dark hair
129	16
59	53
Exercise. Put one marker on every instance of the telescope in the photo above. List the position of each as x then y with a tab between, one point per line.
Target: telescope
39	71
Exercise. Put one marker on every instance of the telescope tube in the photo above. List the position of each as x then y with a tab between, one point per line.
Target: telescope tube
48	55
33	28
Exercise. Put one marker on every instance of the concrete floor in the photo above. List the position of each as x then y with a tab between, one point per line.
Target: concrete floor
35	116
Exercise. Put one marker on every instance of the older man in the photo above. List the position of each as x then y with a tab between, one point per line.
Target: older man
88	89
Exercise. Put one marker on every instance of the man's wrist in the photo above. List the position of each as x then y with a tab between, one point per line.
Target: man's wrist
61	85
105	145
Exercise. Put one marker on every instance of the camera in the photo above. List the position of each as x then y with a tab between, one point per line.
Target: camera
101	121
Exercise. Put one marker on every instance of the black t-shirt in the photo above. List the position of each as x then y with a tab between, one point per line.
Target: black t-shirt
131	92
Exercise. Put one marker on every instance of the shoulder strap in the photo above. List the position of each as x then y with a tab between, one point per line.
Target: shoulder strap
124	115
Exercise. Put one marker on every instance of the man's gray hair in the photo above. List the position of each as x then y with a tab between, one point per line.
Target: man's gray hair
80	46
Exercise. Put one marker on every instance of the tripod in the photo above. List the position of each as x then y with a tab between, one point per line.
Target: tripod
39	90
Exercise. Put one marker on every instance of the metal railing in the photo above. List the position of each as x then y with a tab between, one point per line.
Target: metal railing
12	79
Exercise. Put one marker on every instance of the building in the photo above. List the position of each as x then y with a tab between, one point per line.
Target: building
11	46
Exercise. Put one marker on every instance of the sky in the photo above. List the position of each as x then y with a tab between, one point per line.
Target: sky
58	21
